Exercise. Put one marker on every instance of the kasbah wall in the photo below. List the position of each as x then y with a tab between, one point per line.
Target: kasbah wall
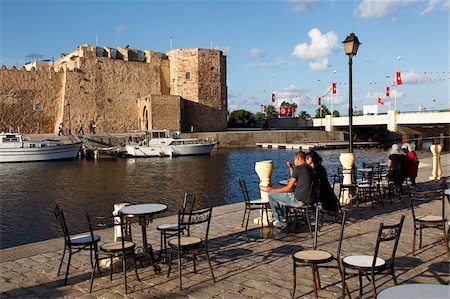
120	89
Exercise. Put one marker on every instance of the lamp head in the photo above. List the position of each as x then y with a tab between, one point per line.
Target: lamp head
351	45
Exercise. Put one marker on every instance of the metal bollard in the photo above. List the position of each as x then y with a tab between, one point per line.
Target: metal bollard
117	207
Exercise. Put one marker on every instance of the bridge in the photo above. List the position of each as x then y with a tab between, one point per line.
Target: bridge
411	125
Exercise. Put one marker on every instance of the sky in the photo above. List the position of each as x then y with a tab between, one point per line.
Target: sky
292	48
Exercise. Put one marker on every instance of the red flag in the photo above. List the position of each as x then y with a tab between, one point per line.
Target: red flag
388	91
273	98
319	101
399	78
265	108
333	88
380	101
283	111
291	110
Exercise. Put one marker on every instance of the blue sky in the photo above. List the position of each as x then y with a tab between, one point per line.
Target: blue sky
289	47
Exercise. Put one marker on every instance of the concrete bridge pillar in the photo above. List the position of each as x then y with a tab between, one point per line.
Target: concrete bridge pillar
392	121
436	149
328	123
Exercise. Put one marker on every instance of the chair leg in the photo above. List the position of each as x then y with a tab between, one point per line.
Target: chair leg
342	277
243	218
110	267
445	239
318	277
124	266
360	284
68	266
393	275
343	283
309	223
248	218
62	259
414	241
179	269
267	216
170	263
262	217
420	236
313	270
295	280
161	246
90	251
374	288
194	260
210	266
92	275
135	267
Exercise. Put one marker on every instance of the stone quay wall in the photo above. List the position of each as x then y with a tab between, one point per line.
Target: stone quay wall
120	89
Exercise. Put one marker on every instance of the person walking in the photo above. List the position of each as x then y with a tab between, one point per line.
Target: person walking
301	178
80	129
92	127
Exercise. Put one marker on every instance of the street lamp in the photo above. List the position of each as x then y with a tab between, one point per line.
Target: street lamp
351	45
347	160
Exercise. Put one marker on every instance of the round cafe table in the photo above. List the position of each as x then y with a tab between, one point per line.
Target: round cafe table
416	291
145	213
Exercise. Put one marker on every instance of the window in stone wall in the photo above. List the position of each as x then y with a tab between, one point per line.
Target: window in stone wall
188	75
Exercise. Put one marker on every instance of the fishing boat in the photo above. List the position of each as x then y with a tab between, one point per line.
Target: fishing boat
159	143
14	147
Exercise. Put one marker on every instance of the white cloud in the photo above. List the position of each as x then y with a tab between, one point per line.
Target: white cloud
321	45
233	94
121	28
446	5
320	64
430	7
416	78
303	5
267	65
256	53
225	49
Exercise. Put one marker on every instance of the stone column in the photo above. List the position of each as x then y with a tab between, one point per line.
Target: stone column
347	161
436	173
264	170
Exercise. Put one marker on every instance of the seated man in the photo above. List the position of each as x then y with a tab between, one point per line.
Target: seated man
301	178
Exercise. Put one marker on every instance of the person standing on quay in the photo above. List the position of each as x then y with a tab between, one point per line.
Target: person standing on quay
396	164
92	127
301	178
61	129
80	129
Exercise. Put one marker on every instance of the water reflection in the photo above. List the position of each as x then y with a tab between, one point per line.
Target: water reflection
30	191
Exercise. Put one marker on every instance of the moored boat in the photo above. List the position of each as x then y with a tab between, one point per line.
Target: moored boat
15	147
159	143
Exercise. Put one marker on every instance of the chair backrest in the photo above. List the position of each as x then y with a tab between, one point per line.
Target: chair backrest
59	214
96	223
244	190
188	206
339	217
195	218
413	195
387	233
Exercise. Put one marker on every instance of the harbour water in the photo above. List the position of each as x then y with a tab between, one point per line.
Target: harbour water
30	191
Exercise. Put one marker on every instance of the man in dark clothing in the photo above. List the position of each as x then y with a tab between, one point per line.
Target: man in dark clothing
301	178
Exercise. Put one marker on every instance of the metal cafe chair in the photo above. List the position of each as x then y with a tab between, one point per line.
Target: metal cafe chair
371	265
123	249
250	205
422	222
74	244
302	213
315	257
184	244
171	229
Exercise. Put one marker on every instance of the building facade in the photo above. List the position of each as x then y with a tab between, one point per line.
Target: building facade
121	89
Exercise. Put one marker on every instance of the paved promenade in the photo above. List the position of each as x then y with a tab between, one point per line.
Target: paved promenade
245	265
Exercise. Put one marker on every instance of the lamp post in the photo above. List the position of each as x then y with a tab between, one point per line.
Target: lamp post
351	45
347	160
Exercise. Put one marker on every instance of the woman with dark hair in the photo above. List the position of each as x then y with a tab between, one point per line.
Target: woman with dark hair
323	191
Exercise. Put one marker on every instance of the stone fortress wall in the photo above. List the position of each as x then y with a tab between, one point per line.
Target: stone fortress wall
121	89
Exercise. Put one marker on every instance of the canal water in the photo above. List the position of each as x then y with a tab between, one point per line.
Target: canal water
30	191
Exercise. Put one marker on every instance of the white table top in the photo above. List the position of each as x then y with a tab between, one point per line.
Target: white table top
447	192
416	291
143	209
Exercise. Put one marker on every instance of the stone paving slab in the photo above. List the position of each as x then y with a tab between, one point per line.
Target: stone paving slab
256	264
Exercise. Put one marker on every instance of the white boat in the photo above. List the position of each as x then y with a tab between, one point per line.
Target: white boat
159	143
15	147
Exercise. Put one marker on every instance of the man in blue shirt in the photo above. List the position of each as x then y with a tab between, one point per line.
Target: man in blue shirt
301	178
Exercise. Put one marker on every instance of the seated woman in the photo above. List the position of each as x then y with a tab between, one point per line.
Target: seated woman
397	169
323	191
